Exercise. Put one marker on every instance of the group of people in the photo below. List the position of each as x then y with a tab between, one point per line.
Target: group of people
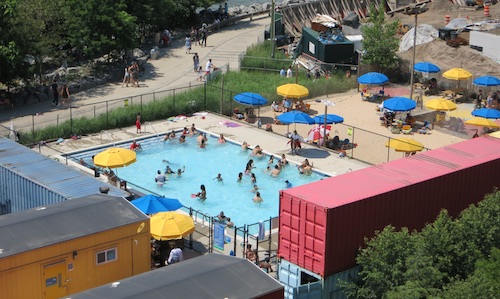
131	75
56	92
198	36
491	101
288	73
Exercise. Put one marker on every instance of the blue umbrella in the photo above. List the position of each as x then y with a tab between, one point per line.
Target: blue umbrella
151	204
373	78
330	119
251	99
426	67
399	104
487	81
487	113
295	117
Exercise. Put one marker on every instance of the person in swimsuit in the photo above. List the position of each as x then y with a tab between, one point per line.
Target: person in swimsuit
138	123
169	170
222	139
202	195
257	198
240	177
182	139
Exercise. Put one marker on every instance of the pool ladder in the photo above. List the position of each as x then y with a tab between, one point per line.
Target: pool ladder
109	136
152	129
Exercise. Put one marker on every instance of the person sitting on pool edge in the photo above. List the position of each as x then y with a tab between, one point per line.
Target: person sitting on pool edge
202	195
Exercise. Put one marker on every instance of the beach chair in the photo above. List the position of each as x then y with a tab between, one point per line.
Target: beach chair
406	129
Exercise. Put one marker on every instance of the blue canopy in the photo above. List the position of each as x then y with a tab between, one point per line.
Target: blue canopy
251	99
330	119
399	104
487	81
373	78
151	204
426	67
487	113
295	117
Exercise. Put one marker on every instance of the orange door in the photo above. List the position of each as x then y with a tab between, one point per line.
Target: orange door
54	280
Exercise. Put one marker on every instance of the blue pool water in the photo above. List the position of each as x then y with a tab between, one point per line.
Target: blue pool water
202	166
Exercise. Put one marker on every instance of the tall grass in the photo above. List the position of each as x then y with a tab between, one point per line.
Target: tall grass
218	93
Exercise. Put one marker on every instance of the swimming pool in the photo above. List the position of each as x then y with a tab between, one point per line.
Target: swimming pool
202	167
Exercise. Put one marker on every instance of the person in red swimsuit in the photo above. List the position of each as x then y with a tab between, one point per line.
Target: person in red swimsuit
135	146
138	123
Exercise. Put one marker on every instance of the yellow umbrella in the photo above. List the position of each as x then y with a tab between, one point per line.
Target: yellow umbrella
495	134
170	226
115	157
441	105
406	145
457	74
482	122
294	91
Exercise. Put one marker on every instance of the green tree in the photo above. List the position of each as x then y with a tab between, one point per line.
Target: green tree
484	283
443	256
12	46
383	263
97	27
379	39
41	23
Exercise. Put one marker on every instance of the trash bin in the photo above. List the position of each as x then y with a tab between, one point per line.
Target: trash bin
154	53
440	116
453	34
445	33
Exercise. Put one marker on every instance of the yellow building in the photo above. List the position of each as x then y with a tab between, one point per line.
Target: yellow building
65	248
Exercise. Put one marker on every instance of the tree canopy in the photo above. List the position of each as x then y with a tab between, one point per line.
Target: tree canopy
449	258
379	39
33	32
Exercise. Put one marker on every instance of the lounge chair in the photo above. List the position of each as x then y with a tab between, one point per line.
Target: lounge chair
406	129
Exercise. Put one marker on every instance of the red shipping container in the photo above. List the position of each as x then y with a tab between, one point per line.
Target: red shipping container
323	224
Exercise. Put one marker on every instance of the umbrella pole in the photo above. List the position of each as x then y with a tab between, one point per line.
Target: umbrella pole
324	129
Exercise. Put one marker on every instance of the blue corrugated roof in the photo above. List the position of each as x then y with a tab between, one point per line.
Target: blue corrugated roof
50	174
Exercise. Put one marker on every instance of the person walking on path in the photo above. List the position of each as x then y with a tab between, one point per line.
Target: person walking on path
65	94
204	34
126	77
55	93
208	68
138	123
188	44
196	61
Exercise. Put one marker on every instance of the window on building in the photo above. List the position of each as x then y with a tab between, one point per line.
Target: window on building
106	256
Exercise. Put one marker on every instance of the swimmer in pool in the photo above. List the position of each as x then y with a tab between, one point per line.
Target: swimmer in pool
180	172
203	144
169	170
283	160
222	139
271	160
202	195
276	171
249	167
199	138
255	189
172	134
244	146
218	178
185	131
257	151
192	130
240	177
254	179
182	139
257	198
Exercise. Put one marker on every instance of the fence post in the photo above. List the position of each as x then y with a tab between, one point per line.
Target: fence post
221	94
33	127
141	103
270	239
154	96
190	235
71	119
94	111
388	149
234	239
205	96
107	116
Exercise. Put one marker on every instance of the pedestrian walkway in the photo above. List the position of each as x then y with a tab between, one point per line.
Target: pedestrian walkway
173	69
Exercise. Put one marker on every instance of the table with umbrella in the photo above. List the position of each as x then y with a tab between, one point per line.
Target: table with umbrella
115	157
405	145
482	122
441	105
251	99
486	81
292	91
166	226
457	74
372	78
151	204
426	67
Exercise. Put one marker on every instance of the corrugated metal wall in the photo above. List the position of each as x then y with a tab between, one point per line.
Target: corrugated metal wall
29	179
408	192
